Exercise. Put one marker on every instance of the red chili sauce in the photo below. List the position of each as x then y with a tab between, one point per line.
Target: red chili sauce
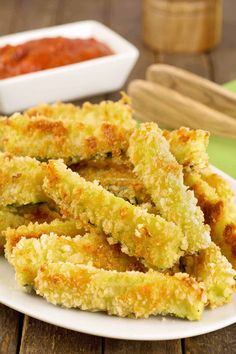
47	53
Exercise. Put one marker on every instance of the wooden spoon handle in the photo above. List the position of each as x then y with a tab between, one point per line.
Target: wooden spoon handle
171	109
193	86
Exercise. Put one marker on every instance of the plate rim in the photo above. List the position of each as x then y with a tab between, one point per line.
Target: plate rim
102	333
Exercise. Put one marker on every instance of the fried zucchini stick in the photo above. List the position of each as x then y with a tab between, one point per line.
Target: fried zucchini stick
40	212
158	243
8	219
189	147
21	180
108	111
35	230
214	270
95	132
121	293
117	177
92	249
163	178
221	216
220	184
11	217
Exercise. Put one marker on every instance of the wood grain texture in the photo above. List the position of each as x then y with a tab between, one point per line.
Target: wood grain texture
194	86
113	346
10	330
196	63
188	26
7	13
154	102
224	57
124	17
42	338
77	10
219	342
32	14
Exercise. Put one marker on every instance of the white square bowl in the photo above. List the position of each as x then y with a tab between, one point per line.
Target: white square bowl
91	77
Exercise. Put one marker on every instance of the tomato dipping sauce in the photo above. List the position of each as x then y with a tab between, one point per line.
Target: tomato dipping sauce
48	53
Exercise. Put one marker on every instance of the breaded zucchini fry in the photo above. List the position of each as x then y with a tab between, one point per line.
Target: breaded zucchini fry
92	249
121	293
116	177
40	212
35	230
8	218
11	217
214	270
163	178
220	184
221	216
189	147
21	180
98	130
107	111
156	242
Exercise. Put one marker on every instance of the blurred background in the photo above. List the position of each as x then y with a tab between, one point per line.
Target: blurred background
125	17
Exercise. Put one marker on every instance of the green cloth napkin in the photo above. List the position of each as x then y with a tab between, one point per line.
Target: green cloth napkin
222	151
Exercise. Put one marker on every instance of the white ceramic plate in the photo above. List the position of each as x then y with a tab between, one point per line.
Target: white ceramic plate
68	82
154	328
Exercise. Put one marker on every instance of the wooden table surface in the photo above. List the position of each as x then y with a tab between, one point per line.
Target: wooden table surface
22	334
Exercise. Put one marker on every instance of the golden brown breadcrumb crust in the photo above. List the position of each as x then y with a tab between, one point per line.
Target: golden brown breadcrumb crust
162	175
121	293
117	177
219	214
189	147
21	180
214	270
93	249
35	230
11	217
92	130
143	235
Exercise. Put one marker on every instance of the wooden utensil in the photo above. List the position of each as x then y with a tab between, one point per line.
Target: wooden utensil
182	25
172	109
193	86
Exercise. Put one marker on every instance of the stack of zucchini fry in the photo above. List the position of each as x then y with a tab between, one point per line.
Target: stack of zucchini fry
100	214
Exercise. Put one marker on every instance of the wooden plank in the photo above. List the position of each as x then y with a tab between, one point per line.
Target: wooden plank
74	10
113	346
41	338
7	13
32	14
124	17
10	330
219	342
198	64
224	57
